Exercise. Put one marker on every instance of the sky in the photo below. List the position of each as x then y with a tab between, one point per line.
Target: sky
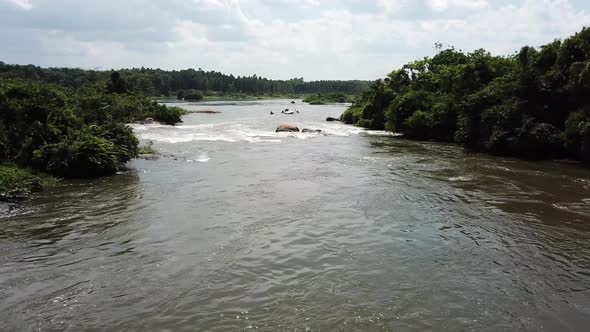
278	39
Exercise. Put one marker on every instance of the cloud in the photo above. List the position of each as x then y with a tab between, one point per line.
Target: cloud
330	39
440	5
24	4
389	6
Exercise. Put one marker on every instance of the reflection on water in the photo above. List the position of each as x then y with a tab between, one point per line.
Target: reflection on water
349	231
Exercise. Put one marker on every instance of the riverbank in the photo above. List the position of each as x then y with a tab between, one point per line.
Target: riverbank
533	105
229	97
328	98
19	183
312	99
70	133
243	97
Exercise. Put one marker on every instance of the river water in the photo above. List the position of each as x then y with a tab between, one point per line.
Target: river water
237	228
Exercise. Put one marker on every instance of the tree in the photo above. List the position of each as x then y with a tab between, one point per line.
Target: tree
534	104
117	84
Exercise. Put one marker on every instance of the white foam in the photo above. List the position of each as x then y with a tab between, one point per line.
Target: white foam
235	132
140	127
337	129
460	179
203	157
172	137
381	133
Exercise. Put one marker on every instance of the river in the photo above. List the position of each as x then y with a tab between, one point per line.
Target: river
236	227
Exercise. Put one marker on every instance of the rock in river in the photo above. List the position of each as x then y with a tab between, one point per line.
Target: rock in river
307	130
287	127
207	112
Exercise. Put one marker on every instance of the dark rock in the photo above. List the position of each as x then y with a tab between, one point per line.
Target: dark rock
307	130
332	119
207	112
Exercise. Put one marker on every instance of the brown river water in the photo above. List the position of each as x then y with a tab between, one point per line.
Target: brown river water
238	228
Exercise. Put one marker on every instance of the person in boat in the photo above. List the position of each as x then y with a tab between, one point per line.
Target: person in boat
271	113
296	111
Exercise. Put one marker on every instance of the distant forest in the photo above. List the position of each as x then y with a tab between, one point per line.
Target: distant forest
158	82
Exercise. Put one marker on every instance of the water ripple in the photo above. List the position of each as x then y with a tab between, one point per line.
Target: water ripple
341	232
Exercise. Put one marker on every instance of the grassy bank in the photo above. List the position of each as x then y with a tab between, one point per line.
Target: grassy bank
19	183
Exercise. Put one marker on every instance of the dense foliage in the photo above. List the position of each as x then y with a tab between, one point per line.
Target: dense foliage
157	82
320	99
73	133
535	104
19	183
190	94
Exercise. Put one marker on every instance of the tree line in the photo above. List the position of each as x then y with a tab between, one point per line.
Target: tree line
158	82
533	104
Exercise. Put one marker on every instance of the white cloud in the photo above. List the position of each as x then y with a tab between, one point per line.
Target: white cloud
211	4
327	42
24	4
441	5
392	6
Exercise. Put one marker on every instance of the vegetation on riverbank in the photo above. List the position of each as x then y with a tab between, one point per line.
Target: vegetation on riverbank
196	95
247	97
534	104
71	133
190	94
147	150
18	183
314	99
330	98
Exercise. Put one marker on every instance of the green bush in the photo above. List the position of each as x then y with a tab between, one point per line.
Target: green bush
404	106
69	133
190	94
352	115
18	183
577	132
169	115
72	133
122	137
364	123
539	141
419	125
328	98
80	154
30	115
